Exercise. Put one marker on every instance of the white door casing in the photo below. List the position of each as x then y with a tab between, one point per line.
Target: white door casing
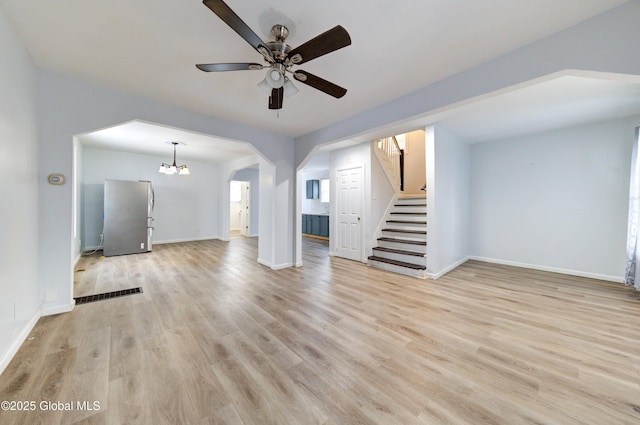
244	209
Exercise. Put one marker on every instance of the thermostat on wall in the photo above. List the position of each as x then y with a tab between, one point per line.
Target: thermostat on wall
57	179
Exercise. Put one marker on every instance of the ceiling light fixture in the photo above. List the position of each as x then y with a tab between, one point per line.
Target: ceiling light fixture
276	75
282	81
173	168
289	88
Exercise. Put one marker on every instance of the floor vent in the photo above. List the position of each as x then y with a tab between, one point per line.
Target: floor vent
107	295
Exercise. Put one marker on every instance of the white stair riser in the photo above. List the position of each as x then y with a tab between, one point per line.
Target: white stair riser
406	226
397	269
411	199
408	217
410	209
422	261
403	246
400	235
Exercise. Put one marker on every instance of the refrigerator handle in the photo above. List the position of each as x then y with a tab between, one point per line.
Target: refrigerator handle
153	194
153	197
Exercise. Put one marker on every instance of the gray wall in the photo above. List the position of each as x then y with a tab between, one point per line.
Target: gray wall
70	107
186	207
19	288
555	200
448	180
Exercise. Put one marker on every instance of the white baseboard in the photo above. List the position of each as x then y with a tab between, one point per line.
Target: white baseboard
274	266
168	241
58	309
18	341
618	279
282	266
448	268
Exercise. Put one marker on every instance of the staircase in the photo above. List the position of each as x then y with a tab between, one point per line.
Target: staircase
402	248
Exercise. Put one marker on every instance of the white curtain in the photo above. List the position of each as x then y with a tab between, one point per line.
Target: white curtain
632	274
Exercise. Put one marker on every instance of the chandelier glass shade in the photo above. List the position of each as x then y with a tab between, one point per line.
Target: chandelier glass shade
173	168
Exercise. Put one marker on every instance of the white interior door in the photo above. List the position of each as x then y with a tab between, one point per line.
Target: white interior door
349	208
244	209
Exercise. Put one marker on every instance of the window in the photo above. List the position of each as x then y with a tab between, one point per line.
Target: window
324	190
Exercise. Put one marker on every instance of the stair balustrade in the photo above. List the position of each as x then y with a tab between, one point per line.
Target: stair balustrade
394	156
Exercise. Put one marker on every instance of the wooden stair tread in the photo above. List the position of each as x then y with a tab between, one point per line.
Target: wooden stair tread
409	213
397	263
409	205
399	251
406	222
413	232
407	241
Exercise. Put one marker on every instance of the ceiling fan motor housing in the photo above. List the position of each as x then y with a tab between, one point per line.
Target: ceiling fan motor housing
279	48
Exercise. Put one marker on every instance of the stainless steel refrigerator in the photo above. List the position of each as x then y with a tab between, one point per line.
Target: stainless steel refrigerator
128	217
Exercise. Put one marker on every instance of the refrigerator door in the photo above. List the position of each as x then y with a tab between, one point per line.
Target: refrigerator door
126	208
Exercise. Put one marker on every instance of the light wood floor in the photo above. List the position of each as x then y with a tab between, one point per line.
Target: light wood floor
218	339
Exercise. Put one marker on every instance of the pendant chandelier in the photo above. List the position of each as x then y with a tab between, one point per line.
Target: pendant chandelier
173	168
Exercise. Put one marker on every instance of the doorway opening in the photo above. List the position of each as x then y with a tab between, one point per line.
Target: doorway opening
239	209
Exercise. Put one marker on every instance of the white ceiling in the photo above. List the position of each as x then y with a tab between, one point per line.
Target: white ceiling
154	139
558	102
149	48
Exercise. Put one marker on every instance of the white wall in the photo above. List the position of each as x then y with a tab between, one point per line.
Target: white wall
77	199
379	197
266	241
556	200
448	185
252	176
19	288
235	204
186	207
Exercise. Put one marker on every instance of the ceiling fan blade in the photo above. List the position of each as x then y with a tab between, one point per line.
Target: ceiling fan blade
225	13
276	98
327	42
220	67
320	84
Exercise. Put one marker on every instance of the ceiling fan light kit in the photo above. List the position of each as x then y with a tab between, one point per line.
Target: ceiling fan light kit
280	57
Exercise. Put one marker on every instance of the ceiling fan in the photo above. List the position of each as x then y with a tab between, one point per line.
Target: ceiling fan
279	56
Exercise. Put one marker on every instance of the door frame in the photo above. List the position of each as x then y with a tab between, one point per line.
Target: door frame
245	206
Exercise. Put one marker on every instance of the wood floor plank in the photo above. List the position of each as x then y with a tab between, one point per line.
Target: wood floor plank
216	338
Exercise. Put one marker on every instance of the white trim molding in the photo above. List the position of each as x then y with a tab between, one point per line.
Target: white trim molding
618	279
18	341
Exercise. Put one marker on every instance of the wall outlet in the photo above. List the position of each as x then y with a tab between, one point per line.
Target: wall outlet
141	245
